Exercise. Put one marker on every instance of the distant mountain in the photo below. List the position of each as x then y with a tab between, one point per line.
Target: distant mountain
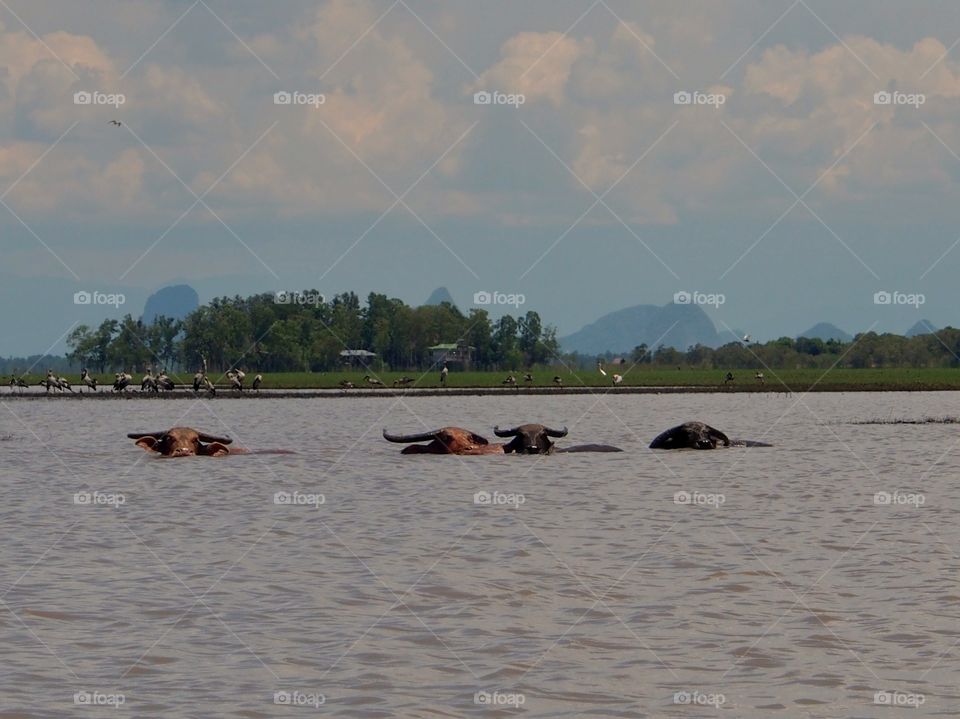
923	327
826	331
439	296
176	301
672	325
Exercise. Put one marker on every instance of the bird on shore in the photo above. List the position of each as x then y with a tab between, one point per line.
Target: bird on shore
63	384
346	384
729	378
122	381
164	382
236	382
600	367
208	385
86	379
403	381
372	381
198	380
528	378
18	383
759	378
443	375
510	380
617	379
257	381
558	380
149	382
51	382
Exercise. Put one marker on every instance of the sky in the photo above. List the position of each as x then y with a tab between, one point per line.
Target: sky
793	158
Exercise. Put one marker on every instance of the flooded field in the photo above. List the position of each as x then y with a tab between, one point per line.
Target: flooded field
816	578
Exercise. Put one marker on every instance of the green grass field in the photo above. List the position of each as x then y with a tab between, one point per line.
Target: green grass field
794	379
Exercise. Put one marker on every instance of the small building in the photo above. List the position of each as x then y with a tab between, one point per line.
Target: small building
357	358
455	354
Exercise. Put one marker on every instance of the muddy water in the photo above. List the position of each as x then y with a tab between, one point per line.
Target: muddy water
749	582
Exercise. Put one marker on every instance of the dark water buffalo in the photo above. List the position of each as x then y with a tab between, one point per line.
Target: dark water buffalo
698	435
535	439
184	442
446	440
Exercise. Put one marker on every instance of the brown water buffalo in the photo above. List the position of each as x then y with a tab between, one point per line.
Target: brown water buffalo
446	440
184	442
535	439
698	435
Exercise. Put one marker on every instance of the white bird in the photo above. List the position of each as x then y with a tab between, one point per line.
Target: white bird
63	384
86	379
164	382
148	382
510	380
600	367
235	381
617	379
122	381
443	375
746	338
208	385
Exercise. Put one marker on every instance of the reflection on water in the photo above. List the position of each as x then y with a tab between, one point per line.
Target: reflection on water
799	580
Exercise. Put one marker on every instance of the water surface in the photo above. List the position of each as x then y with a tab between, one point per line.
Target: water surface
793	594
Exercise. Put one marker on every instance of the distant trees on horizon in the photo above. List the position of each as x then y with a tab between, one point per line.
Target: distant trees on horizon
305	332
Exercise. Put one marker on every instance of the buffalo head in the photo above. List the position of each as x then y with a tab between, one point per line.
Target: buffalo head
182	442
690	435
446	440
529	438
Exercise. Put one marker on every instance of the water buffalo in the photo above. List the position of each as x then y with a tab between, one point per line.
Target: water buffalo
184	442
535	439
698	435
446	440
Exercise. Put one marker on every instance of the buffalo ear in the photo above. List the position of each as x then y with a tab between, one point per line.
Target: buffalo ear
214	449
148	443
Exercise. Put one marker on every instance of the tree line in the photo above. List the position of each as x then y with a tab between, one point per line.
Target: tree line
304	332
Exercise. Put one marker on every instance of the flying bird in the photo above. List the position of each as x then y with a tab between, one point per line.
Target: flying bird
116	123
